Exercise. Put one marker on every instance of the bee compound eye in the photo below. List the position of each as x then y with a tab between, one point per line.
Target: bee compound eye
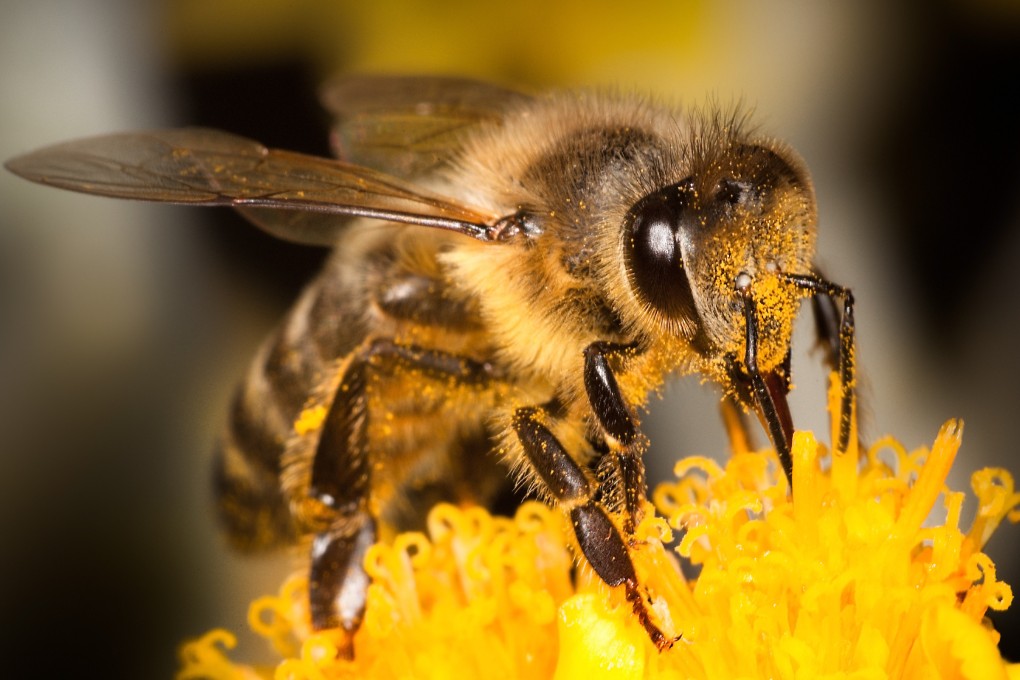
654	232
654	257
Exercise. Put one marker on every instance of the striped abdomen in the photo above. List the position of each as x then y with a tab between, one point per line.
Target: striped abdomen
431	442
287	370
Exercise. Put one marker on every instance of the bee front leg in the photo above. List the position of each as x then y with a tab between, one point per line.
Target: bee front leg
597	536
622	465
621	479
838	339
826	315
836	333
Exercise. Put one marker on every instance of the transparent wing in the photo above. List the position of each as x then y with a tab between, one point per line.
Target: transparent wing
407	125
208	167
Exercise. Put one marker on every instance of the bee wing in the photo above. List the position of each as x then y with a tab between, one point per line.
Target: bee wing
208	167
408	125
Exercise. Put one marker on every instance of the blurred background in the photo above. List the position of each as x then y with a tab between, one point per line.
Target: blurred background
123	327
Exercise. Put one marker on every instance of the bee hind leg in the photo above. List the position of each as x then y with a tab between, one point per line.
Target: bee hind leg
338	584
341	479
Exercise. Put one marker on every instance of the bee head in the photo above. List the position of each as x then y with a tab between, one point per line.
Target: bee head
695	250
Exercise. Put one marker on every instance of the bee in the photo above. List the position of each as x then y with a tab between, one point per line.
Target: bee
512	277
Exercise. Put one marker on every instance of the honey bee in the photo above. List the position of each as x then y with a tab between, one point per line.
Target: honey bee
512	277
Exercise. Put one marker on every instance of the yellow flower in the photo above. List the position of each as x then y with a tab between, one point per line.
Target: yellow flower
841	579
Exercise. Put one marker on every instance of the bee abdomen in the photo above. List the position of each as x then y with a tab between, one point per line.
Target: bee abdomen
253	507
246	478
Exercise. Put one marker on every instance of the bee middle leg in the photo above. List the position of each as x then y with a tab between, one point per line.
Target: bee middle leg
341	478
584	499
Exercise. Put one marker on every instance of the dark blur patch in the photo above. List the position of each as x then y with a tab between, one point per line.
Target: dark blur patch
952	161
96	566
276	104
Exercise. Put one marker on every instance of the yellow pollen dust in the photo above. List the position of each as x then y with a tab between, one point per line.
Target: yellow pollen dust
311	419
845	578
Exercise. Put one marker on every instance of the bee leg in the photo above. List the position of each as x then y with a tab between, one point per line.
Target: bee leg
826	315
338	583
769	391
597	536
840	340
847	373
624	463
340	479
824	306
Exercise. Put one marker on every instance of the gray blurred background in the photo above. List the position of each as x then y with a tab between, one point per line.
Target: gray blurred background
123	327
